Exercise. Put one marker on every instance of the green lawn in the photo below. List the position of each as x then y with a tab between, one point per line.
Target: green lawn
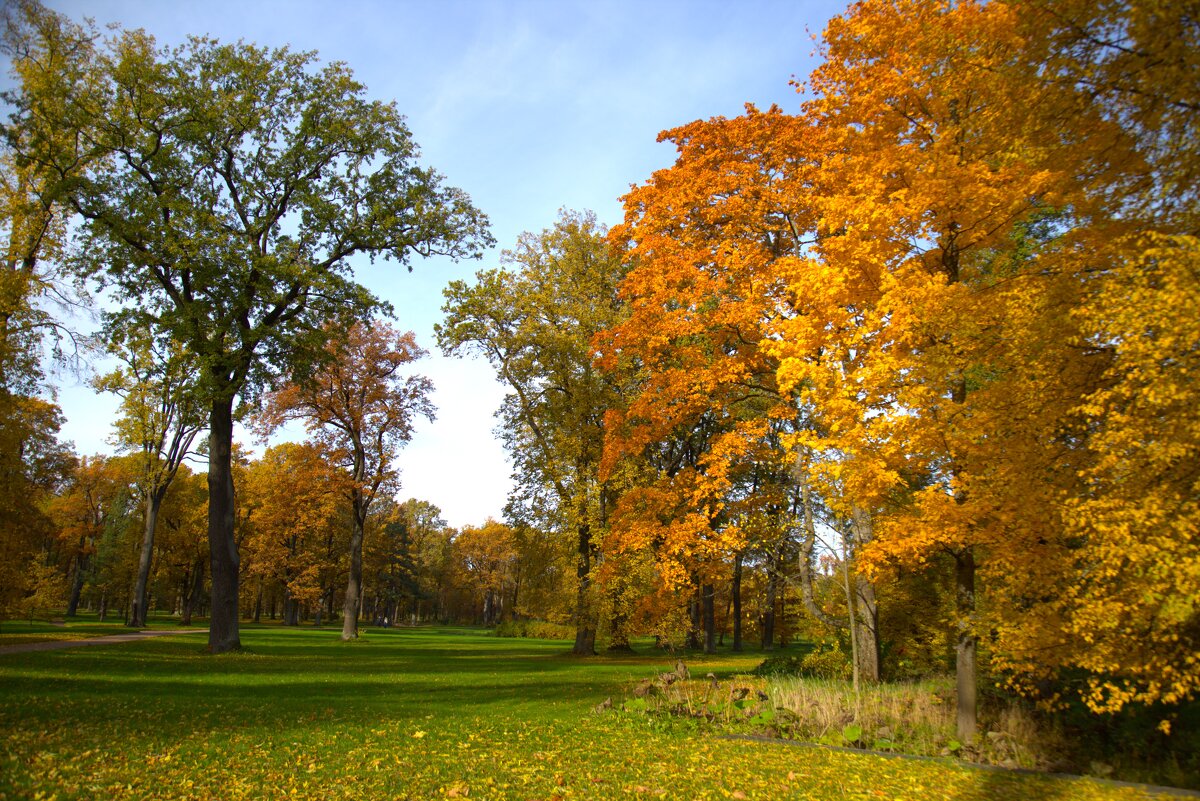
410	713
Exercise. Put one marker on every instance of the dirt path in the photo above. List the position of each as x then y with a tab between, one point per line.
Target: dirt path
54	645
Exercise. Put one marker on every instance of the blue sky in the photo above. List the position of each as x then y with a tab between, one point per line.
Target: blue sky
530	107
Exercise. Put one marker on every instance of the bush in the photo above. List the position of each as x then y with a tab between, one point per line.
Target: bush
535	629
824	661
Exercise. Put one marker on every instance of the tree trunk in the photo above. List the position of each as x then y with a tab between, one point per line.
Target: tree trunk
768	625
964	652
137	618
222	547
870	651
870	655
103	606
258	603
81	563
736	598
291	611
708	594
189	604
354	582
585	629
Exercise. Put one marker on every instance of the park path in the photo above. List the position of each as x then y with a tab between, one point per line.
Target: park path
54	645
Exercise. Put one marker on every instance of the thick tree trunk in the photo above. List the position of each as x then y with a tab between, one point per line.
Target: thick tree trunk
291	611
258	603
870	653
81	564
585	629
695	621
137	618
354	582
222	547
736	598
189	604
964	652
768	619
708	596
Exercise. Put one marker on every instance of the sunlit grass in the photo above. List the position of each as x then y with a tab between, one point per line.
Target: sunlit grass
409	713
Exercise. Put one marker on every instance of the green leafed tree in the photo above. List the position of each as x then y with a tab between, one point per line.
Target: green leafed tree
160	417
223	191
535	322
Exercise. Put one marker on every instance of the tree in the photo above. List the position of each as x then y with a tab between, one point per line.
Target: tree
295	509
32	235
535	325
160	419
223	190
361	408
82	511
487	557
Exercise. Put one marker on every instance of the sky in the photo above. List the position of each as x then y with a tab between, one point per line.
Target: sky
530	106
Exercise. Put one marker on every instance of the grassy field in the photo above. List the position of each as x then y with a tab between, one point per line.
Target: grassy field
411	713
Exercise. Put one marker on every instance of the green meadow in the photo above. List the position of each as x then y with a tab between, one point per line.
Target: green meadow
413	713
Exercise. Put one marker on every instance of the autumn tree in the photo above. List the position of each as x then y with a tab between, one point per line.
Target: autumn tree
160	419
361	406
81	512
32	235
487	558
295	503
222	192
534	323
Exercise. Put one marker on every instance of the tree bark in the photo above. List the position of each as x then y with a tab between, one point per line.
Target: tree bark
870	652
708	596
768	618
222	547
585	629
964	651
736	597
189	604
354	582
258	603
153	503
81	566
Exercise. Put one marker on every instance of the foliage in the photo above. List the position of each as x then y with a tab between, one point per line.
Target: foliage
534	323
536	629
360	407
953	298
822	660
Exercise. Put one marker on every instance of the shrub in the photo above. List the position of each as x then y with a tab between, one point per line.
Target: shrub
823	661
535	629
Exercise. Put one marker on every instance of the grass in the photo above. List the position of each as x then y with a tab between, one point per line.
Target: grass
85	626
412	713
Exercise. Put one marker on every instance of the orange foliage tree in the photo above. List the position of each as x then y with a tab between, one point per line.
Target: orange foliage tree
948	261
295	504
360	406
